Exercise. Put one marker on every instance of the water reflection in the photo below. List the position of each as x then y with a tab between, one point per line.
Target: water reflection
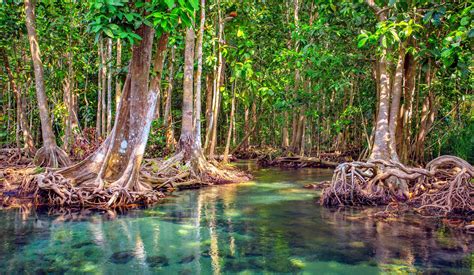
269	225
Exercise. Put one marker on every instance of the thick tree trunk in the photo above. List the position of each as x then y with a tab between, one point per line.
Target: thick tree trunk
380	149
49	155
116	164
158	62
395	105
410	88
186	138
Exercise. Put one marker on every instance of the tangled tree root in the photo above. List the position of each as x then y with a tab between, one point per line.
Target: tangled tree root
51	157
176	173
444	186
52	189
14	157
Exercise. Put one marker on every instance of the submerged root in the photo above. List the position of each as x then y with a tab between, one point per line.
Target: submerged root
444	186
51	157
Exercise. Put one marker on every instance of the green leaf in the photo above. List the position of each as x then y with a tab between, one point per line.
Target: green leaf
362	42
108	32
169	3
465	21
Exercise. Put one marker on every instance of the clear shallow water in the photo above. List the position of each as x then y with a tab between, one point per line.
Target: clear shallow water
270	225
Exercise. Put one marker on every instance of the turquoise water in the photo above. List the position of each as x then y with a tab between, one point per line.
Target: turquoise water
270	225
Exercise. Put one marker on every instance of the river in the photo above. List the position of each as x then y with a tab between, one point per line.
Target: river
269	225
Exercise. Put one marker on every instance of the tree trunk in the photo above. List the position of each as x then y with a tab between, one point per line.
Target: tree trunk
197	78
116	164
186	138
98	126
395	105
410	88
49	155
118	83
103	76
380	150
285	141
218	82
231	125
168	119
109	86
21	114
158	62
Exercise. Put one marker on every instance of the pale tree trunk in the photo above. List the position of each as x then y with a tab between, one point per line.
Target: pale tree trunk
21	114
186	139
231	124
103	76
167	117
197	78
118	84
158	62
380	149
395	105
109	85
49	155
218	83
68	87
116	164
98	127
285	141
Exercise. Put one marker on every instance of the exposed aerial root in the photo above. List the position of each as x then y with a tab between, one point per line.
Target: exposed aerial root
444	186
53	157
52	189
178	173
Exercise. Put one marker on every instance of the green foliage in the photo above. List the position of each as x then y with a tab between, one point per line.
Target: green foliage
121	18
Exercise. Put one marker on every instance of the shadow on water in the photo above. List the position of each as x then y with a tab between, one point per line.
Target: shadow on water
270	224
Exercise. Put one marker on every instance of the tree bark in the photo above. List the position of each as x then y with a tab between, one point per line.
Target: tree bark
231	125
49	155
118	83
395	104
197	78
158	63
116	164
109	85
186	138
168	119
103	120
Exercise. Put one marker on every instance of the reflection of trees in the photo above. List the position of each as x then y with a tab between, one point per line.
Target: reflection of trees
406	240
